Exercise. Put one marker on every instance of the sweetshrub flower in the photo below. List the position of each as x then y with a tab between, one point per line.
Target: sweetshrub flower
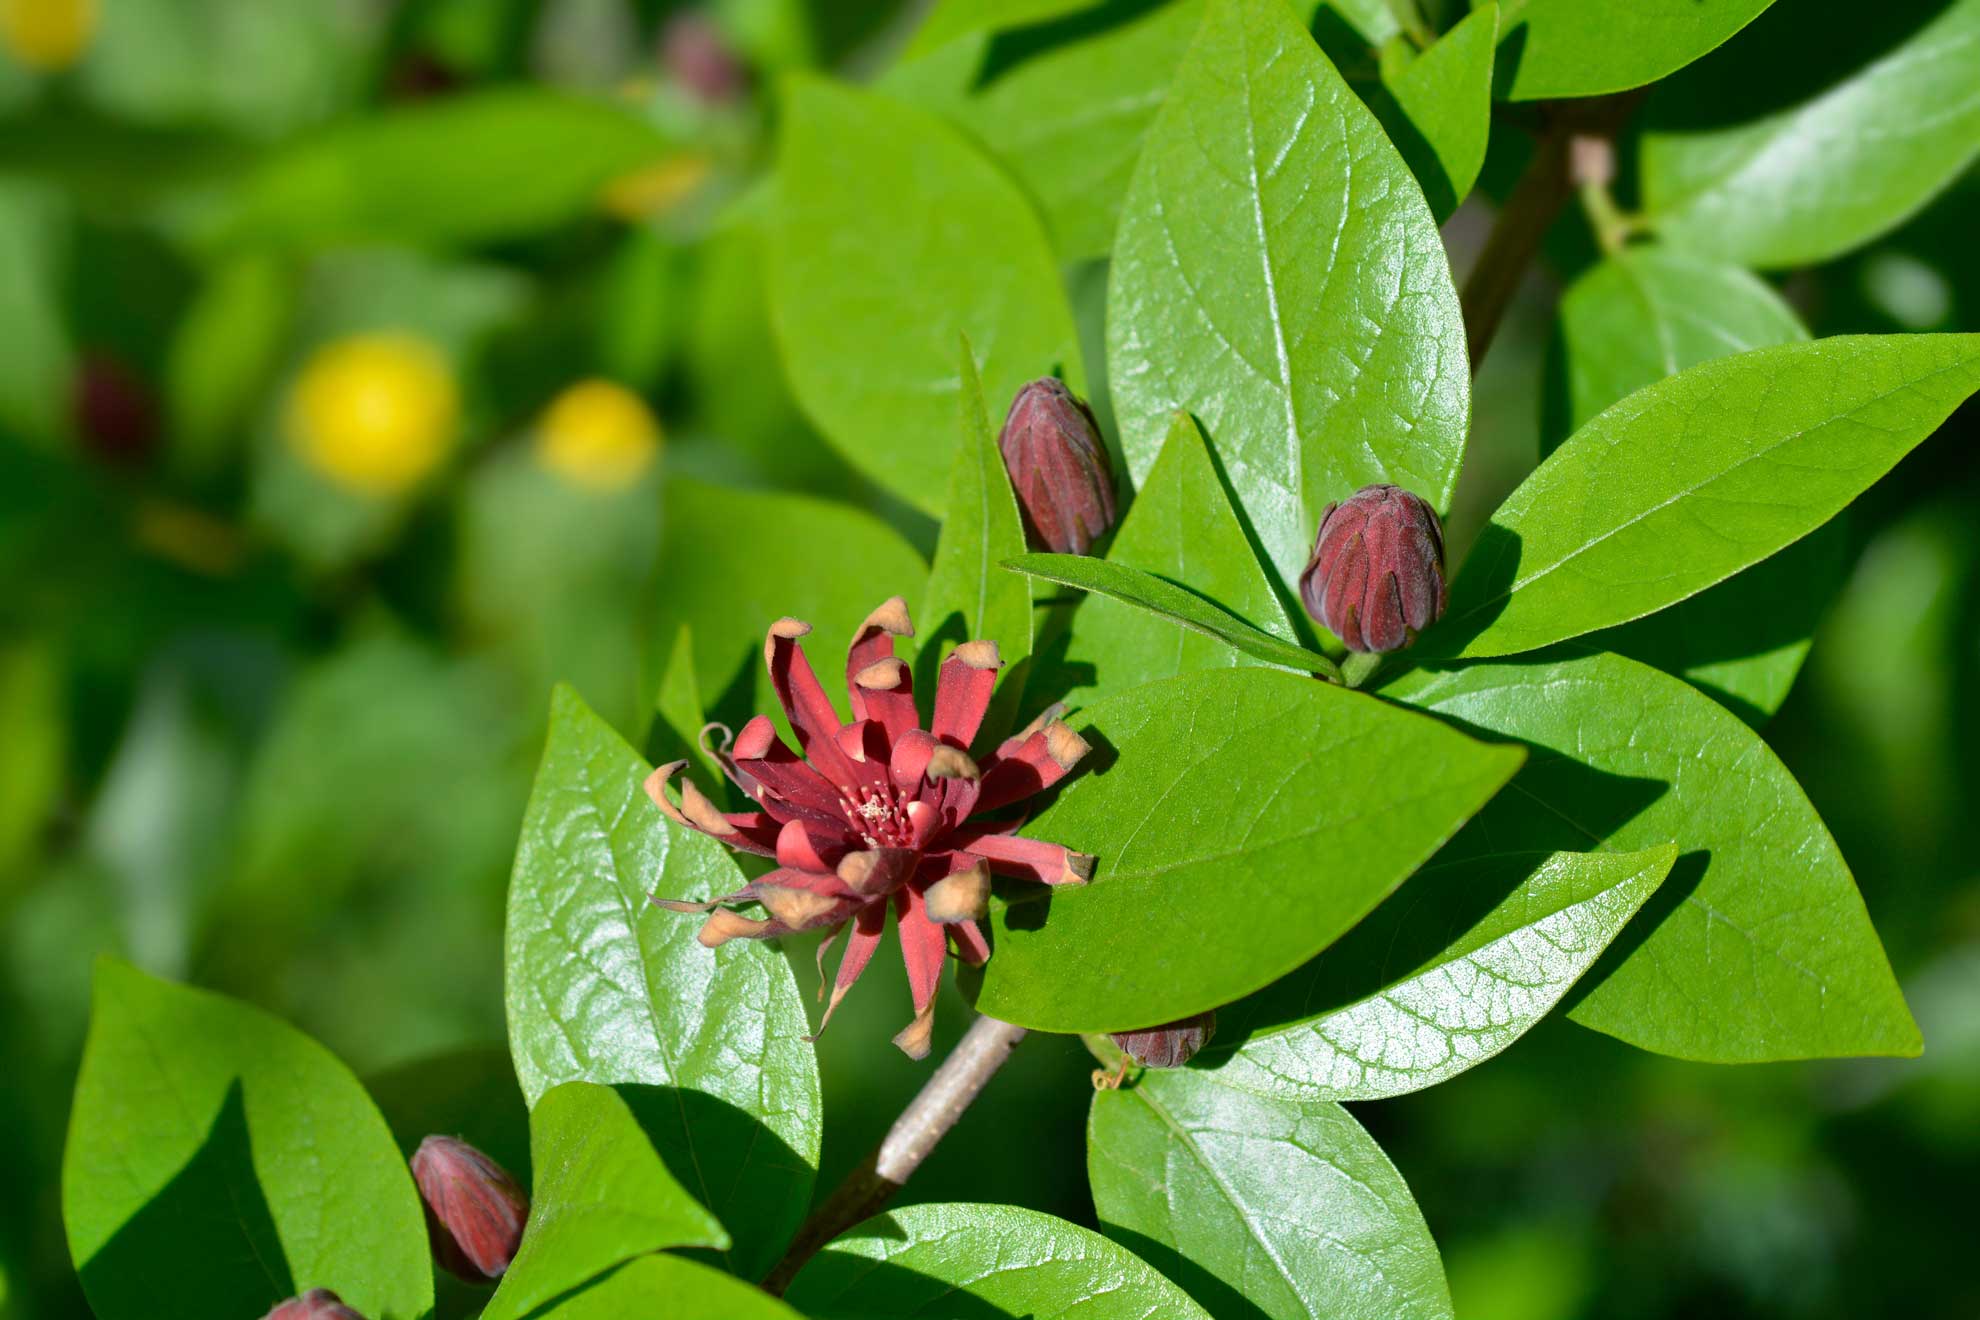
879	813
1058	467
1170	1045
1376	575
475	1209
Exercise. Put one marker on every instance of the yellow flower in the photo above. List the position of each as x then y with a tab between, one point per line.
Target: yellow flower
598	435
47	35
376	413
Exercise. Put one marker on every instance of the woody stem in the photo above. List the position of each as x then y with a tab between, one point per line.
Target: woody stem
949	1091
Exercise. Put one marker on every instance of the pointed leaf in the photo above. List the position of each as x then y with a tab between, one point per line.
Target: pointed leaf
892	235
1260	1206
1828	174
982	1260
1443	100
1557	48
601	1196
604	987
1758	946
1180	528
1243	820
668	1286
1279	275
1174	604
1685	483
219	1149
1347	1027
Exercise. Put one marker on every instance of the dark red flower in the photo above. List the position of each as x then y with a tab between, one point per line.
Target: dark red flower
475	1209
1170	1045
316	1304
1058	467
878	812
1376	576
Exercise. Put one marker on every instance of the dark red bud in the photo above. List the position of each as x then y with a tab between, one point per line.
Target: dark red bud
1059	467
421	76
1169	1046
114	410
1376	578
696	55
474	1210
316	1304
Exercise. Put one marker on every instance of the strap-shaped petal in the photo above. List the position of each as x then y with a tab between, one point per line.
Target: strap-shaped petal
1028	859
812	718
1035	764
761	754
962	691
751	831
861	941
873	643
924	946
884	691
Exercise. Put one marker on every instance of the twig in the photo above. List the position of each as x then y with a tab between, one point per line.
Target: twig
926	1120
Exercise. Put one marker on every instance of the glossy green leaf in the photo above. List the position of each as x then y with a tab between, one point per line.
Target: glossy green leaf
1173	604
1064	107
958	18
1638	316
1374	21
893	235
1180	528
1279	276
1421	991
733	562
1685	483
969	593
668	1286
1556	48
1815	179
988	1260
1758	946
604	987
472	167
1260	1206
1444	99
223	1152
601	1196
1241	827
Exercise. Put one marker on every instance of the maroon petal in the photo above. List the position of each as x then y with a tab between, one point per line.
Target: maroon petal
1037	763
873	643
804	846
751	831
971	947
1029	859
762	755
884	691
924	945
803	698
962	692
861	941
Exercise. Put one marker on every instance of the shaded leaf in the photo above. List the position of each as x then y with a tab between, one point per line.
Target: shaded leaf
1260	1206
925	1259
604	987
218	1148
1243	820
1279	276
892	235
668	1286
1758	946
1443	104
1366	1019
1558	48
1696	477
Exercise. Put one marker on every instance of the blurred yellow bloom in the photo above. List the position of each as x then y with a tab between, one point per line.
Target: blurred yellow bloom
598	435
656	189
47	35
376	413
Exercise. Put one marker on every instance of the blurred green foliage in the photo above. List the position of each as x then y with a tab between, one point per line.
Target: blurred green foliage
272	735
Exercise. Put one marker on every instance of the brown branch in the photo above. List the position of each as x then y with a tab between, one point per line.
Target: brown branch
926	1120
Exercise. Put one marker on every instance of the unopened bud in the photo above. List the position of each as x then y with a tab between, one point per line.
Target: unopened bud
696	53
316	1304
474	1210
1168	1046
1376	578
1059	467
115	413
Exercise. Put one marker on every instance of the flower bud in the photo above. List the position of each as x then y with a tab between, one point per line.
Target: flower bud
1059	467
1376	578
474	1210
696	54
115	413
316	1304
1168	1046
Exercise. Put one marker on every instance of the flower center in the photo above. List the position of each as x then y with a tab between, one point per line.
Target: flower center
878	816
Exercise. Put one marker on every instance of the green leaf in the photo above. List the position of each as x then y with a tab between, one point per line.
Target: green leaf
469	1093
1694	478
892	236
222	357
221	1150
969	593
1757	947
1260	1206
1182	528
1063	106
473	167
959	18
36	367
1638	316
1414	996
1559	48
604	987
733	562
681	712
1241	827
925	1259
668	1286
1180	606
601	1197
1827	174
1279	276
1443	110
